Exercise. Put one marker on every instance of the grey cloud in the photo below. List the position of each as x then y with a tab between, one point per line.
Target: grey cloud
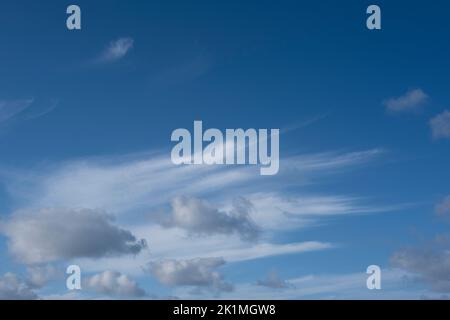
13	288
200	273
440	125
273	281
410	101
114	283
430	263
200	217
443	208
53	234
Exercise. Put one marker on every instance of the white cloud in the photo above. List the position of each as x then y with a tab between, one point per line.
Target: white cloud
113	283
440	125
48	235
409	102
13	288
117	49
138	188
142	182
9	109
200	272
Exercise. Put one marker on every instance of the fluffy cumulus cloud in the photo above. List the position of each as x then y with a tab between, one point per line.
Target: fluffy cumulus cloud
430	263
113	283
52	234
411	101
117	50
13	288
440	125
200	217
200	273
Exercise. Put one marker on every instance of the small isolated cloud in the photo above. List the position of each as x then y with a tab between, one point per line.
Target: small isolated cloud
200	273
430	263
13	288
9	109
116	50
273	281
411	101
443	208
113	283
200	217
52	234
440	125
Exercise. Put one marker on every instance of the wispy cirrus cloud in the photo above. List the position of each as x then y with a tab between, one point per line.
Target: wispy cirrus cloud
11	108
116	50
146	181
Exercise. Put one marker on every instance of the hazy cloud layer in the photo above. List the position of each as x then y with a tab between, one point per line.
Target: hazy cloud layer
200	217
13	288
440	125
52	234
113	283
409	102
199	272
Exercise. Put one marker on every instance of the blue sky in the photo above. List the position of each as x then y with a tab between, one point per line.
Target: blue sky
85	133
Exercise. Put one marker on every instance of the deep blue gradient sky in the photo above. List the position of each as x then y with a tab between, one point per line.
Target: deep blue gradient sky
240	64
